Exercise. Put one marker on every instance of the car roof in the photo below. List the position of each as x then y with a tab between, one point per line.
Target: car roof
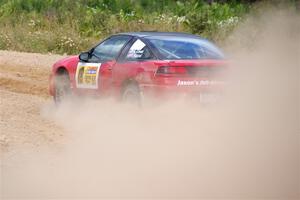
155	33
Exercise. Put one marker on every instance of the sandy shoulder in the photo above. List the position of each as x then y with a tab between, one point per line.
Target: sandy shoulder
24	91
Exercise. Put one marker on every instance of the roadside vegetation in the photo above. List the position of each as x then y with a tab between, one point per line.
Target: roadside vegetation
71	26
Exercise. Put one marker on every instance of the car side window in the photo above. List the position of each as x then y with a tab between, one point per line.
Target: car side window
109	49
139	51
210	54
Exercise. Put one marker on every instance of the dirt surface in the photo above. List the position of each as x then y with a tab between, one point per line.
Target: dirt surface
23	90
246	147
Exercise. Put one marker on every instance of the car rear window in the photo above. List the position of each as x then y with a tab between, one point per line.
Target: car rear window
185	48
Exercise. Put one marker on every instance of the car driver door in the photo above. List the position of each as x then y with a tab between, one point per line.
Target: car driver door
94	70
135	63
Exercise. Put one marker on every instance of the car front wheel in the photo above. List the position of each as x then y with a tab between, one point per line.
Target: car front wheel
62	88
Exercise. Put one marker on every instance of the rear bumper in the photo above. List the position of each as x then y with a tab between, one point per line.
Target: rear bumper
190	88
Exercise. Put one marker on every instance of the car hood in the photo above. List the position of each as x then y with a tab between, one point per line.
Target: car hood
67	60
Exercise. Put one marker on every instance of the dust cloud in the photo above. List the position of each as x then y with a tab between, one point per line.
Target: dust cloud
246	147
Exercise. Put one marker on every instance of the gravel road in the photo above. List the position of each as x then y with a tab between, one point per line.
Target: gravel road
23	91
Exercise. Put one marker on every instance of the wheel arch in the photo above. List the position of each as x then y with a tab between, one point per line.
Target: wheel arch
62	71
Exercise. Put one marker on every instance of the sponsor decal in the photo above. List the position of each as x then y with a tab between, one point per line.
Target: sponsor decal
136	50
198	83
87	75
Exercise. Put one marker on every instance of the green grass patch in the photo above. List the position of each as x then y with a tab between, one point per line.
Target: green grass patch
71	26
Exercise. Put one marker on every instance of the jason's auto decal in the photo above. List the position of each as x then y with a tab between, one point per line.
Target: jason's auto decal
87	75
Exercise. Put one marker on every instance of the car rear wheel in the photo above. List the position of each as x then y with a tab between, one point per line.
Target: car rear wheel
62	88
131	94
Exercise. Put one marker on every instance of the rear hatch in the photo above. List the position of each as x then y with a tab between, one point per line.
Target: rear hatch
204	79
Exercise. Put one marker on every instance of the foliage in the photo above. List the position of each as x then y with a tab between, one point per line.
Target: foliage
70	26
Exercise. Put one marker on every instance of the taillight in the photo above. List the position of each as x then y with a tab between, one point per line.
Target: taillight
167	70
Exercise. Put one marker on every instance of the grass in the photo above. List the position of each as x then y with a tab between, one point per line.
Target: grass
71	26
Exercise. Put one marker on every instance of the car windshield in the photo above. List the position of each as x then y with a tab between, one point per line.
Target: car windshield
185	48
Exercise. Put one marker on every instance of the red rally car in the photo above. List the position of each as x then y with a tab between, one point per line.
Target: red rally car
133	65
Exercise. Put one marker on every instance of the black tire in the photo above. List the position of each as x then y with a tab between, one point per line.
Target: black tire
131	94
62	89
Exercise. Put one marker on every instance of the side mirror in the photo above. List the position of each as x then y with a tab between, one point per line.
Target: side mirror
84	56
